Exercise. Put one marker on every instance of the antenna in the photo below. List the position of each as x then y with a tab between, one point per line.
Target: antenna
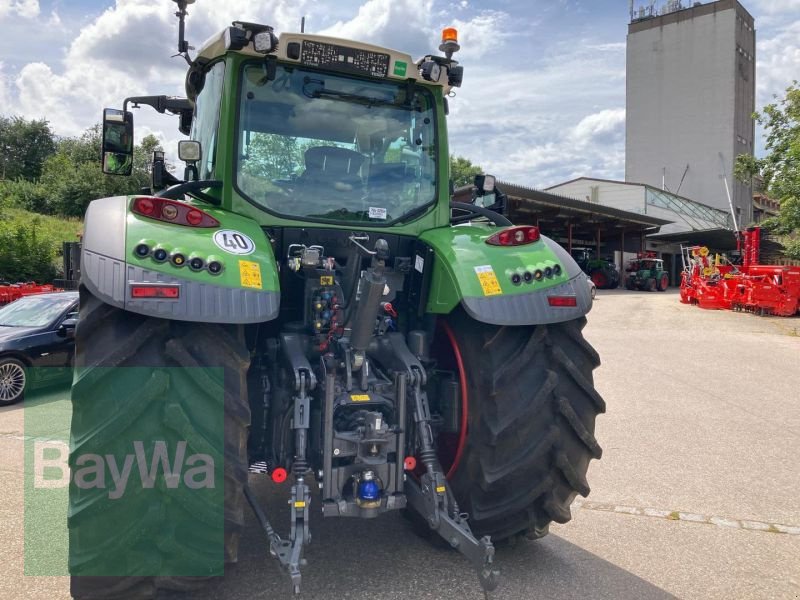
686	170
631	9
303	25
183	45
728	192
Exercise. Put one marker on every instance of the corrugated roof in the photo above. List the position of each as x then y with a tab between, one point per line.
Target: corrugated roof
572	205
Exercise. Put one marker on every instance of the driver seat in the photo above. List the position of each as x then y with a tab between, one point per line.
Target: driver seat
332	172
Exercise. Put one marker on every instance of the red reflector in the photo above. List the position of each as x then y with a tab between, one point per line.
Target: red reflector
144	206
515	236
170	292
410	463
279	475
194	217
562	301
172	211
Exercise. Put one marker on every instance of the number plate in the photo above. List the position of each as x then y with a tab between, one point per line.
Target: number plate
342	58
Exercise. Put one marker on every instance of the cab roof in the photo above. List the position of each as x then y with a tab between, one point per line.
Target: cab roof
340	54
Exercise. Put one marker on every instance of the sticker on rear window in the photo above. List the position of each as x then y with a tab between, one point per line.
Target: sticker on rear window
377	213
419	263
234	242
488	280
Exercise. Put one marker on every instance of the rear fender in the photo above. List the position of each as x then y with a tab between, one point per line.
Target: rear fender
480	277
245	291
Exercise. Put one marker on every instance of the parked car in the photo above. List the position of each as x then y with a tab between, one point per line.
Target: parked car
36	332
592	286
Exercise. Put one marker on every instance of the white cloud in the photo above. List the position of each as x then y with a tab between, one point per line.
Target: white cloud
604	127
773	7
541	120
398	24
27	9
777	62
5	97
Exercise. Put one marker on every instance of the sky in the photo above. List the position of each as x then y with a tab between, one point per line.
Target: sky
543	99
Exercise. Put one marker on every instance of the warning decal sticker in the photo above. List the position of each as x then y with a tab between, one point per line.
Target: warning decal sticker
488	280
250	274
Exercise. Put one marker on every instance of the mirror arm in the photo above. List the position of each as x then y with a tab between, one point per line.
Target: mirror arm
162	104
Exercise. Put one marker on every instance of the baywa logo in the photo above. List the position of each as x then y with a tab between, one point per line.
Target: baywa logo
108	472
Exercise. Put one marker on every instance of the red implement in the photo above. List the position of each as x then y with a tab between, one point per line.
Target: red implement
15	291
750	287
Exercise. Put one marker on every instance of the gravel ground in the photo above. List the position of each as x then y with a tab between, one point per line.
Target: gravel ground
695	497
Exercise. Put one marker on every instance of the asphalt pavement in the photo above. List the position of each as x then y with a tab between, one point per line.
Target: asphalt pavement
696	495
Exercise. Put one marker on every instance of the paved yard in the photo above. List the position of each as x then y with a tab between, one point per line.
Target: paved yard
696	495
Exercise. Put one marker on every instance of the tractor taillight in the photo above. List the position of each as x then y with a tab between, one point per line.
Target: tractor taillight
164	292
562	301
515	236
172	211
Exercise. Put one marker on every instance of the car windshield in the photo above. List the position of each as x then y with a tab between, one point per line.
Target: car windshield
34	311
333	148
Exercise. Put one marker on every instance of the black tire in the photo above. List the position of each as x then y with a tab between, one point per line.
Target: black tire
110	337
13	378
630	283
532	408
650	284
662	283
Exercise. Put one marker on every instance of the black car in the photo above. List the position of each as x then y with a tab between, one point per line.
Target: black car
36	331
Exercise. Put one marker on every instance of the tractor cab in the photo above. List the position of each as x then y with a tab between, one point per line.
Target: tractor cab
646	272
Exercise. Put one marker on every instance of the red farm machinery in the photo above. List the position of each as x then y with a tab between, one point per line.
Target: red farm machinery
14	291
713	282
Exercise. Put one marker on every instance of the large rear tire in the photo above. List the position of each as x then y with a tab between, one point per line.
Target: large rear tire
531	414
110	337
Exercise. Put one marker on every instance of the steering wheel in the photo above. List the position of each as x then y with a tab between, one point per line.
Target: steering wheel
471	211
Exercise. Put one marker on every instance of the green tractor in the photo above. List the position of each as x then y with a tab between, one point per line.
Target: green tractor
646	272
601	271
308	303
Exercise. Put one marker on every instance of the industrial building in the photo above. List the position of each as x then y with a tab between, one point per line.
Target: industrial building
690	98
682	216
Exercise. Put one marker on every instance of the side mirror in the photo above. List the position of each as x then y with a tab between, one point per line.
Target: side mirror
485	184
487	195
117	142
67	328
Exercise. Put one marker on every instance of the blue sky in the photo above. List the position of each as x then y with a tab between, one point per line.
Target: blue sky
543	98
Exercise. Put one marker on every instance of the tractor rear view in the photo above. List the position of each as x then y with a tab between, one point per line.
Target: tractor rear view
309	291
603	272
646	272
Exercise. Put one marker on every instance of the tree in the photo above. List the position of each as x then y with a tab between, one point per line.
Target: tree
24	146
462	171
780	168
73	177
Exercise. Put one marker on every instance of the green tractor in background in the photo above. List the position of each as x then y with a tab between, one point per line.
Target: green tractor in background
372	345
646	272
603	272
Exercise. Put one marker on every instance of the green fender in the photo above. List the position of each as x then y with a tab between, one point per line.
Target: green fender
481	277
245	290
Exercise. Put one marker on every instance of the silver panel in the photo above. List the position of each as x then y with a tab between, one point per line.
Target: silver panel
105	225
110	279
533	308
